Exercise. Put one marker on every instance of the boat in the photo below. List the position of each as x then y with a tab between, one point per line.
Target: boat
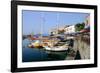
56	48
36	44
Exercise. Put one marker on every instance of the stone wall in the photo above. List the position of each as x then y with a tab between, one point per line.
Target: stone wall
81	43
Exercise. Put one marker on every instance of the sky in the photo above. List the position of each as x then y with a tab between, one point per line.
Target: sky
43	21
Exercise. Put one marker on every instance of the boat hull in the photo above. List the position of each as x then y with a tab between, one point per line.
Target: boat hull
55	49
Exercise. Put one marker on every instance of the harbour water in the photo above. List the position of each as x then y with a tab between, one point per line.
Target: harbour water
39	54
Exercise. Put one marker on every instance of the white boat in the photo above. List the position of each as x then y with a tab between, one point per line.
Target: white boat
57	48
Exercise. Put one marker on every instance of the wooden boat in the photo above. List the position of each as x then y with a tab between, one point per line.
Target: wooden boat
57	48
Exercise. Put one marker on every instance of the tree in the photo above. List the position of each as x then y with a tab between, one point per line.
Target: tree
79	26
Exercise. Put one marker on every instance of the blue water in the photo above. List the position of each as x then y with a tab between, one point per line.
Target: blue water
35	54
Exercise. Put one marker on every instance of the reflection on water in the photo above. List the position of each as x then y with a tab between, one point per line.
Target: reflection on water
35	54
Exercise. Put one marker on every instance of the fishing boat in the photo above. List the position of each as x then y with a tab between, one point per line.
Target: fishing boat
56	48
35	44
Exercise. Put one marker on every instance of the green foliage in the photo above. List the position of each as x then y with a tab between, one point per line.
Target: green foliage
79	26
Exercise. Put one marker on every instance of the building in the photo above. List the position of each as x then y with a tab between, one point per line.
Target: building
70	29
53	31
63	30
57	30
87	21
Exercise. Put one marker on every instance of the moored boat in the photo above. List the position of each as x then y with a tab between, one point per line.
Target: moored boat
36	44
56	48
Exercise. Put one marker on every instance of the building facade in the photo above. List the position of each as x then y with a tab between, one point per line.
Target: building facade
70	29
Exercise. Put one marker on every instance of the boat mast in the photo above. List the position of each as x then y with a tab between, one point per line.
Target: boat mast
41	25
57	22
